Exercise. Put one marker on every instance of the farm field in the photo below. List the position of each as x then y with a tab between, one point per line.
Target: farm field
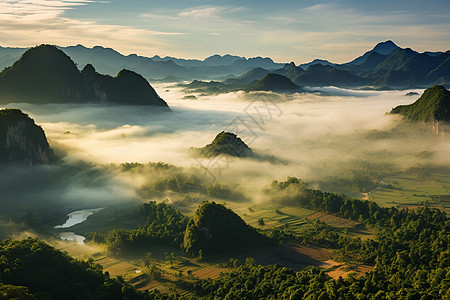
186	268
274	215
332	220
411	191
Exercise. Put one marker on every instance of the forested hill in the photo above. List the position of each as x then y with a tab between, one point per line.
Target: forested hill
433	105
44	74
215	228
225	143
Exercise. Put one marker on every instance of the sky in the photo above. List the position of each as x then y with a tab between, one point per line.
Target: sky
285	30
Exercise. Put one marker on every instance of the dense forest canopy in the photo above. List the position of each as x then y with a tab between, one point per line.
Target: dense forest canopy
32	268
164	226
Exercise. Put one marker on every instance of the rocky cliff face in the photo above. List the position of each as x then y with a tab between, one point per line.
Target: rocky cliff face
21	140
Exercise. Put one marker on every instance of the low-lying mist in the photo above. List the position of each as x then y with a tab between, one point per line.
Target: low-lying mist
319	136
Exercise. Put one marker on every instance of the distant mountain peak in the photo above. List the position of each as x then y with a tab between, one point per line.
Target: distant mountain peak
317	61
385	48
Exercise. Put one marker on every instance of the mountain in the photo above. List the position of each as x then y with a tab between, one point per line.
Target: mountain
8	55
45	74
385	66
127	87
396	60
225	143
383	48
211	61
108	61
407	68
320	75
21	140
432	107
274	82
252	75
317	62
207	88
289	70
215	228
218	60
440	74
368	64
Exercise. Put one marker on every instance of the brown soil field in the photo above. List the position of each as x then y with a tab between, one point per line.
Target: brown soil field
210	272
343	270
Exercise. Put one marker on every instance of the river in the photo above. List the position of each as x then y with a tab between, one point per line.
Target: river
75	217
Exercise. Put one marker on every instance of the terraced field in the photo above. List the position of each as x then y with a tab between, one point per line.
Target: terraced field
332	220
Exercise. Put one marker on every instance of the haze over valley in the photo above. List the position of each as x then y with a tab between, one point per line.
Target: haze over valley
271	170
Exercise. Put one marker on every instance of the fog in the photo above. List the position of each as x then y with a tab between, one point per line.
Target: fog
317	135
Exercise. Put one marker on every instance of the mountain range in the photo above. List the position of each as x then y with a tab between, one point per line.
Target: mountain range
45	74
108	61
386	66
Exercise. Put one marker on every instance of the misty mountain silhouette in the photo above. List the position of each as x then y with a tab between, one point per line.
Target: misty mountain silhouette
21	140
386	66
383	48
45	74
225	143
274	82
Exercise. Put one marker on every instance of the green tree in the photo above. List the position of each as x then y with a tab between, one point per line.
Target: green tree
261	222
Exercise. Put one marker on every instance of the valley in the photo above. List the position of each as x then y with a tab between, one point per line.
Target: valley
266	191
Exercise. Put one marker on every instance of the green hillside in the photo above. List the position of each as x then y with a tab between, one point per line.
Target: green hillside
433	105
215	228
225	143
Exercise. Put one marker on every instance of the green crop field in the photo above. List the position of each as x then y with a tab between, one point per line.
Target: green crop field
411	191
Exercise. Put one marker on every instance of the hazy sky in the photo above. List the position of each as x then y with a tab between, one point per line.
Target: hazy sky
286	30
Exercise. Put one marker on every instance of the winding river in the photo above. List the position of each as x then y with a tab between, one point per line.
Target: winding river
75	217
